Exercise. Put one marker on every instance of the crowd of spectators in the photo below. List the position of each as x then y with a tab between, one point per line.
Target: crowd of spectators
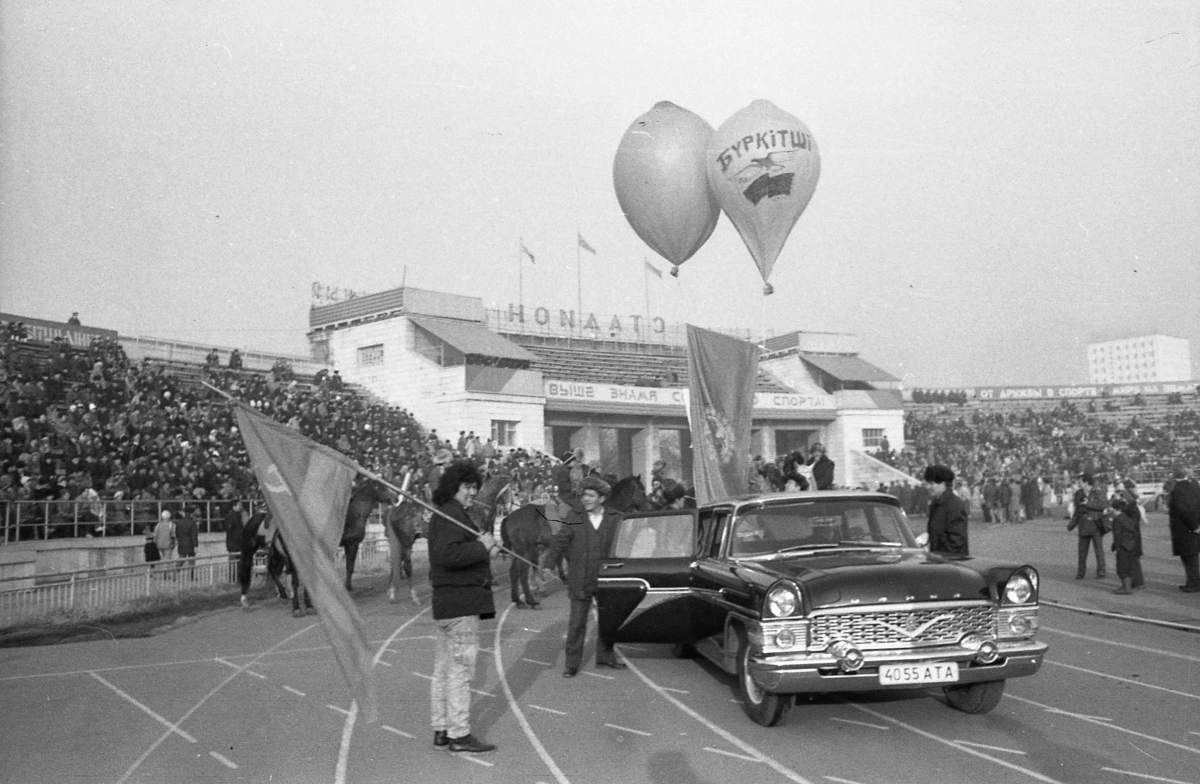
85	427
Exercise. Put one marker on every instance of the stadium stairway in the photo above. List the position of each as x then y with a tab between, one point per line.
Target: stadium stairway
870	471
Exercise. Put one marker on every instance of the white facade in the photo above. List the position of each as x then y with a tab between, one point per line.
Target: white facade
1148	358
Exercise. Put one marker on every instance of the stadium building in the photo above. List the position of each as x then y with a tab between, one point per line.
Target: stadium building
1143	359
552	379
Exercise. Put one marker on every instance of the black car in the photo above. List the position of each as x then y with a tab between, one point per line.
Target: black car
819	592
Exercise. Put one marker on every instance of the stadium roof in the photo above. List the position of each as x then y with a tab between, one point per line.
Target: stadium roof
472	338
845	368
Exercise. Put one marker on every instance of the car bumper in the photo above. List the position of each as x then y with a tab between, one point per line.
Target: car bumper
818	672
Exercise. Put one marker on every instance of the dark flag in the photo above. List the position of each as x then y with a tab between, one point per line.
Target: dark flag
721	373
307	487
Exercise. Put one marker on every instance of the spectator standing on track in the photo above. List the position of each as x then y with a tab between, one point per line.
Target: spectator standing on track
1089	503
585	538
187	536
947	525
164	536
991	497
461	575
1003	500
1014	500
1126	521
1184	515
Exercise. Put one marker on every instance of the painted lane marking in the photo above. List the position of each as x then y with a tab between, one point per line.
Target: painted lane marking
675	691
221	758
836	780
342	711
535	661
1145	776
733	754
228	663
1072	714
1100	723
401	733
343	758
633	647
297	692
384	663
724	734
149	711
598	675
1127	680
1193	732
423	675
150	750
964	749
519	714
1131	646
630	729
985	746
1184	627
860	723
548	710
473	691
476	760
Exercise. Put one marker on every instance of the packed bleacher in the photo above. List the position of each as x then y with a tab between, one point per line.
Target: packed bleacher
85	428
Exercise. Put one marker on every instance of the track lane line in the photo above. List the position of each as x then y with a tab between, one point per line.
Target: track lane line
129	698
519	714
1098	674
1104	723
175	726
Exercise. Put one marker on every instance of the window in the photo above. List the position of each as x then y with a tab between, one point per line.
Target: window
504	433
668	536
872	437
369	356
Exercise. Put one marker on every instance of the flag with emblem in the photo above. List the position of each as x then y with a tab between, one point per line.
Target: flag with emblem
307	487
721	373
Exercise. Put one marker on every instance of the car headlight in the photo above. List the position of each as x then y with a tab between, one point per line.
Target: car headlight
782	600
1021	588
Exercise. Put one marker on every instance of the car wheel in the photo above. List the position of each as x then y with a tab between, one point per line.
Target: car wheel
975	697
764	707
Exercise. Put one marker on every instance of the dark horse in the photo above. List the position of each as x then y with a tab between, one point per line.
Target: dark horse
260	534
365	496
529	530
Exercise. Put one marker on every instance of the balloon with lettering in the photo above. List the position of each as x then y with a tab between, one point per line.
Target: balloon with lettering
661	183
763	167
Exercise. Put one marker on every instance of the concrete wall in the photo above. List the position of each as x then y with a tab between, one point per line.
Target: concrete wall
27	559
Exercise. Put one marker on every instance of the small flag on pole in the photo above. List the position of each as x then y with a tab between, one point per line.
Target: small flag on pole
307	488
583	244
527	252
653	270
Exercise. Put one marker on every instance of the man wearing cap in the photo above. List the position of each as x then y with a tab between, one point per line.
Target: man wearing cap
1184	515
822	467
947	526
585	538
1090	503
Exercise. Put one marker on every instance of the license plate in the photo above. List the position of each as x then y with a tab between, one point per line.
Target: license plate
916	674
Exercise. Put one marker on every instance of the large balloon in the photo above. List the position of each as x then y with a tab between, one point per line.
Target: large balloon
763	167
661	183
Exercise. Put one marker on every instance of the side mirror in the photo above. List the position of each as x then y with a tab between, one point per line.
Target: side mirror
923	539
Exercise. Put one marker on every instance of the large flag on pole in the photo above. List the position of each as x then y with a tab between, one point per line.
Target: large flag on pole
721	373
307	487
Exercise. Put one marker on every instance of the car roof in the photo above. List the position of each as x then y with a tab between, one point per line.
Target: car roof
801	495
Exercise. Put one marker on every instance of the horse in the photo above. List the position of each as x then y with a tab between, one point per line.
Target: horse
363	499
257	536
404	522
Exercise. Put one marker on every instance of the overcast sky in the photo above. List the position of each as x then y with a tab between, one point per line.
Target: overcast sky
1000	182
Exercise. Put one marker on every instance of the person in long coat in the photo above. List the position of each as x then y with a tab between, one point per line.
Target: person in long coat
1126	521
585	538
1090	503
947	527
460	572
1184	515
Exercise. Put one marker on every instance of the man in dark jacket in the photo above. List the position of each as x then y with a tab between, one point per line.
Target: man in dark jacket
1090	503
460	572
822	467
947	526
585	538
1184	515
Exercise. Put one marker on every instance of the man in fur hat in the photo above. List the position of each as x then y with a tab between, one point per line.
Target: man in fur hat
947	514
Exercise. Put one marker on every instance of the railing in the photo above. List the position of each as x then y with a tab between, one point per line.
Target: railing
29	598
27	520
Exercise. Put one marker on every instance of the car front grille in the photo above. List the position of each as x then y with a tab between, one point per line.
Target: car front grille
911	627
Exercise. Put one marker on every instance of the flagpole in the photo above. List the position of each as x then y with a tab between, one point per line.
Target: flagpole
375	477
579	279
646	282
521	281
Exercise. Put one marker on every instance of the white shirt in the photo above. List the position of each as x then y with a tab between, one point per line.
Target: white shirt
596	518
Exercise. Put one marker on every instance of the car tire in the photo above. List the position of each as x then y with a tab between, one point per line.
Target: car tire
764	707
975	697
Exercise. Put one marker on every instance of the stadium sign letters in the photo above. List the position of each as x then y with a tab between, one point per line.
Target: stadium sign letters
655	396
542	316
1086	391
40	331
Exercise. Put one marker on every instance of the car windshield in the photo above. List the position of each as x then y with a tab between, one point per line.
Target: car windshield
819	525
